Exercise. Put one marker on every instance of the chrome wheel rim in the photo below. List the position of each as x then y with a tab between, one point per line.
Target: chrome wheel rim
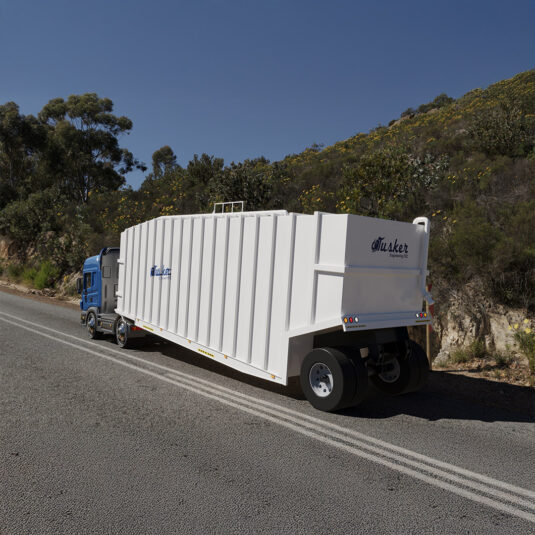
321	379
121	332
91	324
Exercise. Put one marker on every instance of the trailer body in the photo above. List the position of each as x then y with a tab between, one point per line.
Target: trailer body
257	290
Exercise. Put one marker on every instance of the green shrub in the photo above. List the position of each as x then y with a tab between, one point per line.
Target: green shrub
24	219
28	274
439	102
526	343
473	351
14	271
503	129
503	360
46	276
459	356
41	276
513	259
472	240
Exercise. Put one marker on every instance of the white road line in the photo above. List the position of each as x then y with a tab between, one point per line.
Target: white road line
378	451
314	419
384	445
301	427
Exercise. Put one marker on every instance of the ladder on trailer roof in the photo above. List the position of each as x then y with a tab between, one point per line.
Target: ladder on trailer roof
225	205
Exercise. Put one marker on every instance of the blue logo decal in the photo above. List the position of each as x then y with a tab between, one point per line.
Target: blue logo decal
163	272
395	249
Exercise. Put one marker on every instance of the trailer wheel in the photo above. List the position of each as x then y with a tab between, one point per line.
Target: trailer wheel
328	379
121	333
361	378
397	375
91	322
418	355
404	373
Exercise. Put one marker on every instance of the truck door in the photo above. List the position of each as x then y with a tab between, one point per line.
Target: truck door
90	294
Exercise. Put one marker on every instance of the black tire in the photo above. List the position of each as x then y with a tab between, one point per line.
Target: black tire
418	355
333	390
91	323
121	333
413	370
361	378
400	374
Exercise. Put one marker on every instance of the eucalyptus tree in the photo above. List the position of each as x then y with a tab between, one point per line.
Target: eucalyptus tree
83	152
21	137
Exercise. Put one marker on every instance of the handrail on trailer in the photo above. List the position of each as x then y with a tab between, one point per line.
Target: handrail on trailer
230	204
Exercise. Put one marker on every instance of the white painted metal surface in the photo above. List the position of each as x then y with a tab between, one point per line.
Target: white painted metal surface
251	289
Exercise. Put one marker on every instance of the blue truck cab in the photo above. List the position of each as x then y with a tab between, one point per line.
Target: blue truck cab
97	288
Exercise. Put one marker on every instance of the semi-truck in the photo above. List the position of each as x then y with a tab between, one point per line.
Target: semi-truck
325	297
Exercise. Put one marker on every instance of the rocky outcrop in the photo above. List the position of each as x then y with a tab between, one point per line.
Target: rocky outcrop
461	324
67	286
8	249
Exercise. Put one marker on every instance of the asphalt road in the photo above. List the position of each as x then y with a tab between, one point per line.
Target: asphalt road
94	439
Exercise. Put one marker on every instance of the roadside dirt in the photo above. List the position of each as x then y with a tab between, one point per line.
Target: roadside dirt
38	295
515	373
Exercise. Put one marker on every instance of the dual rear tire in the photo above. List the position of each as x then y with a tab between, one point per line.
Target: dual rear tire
121	333
404	373
333	379
337	378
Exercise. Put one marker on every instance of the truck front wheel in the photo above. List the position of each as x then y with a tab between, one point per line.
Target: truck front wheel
91	322
329	379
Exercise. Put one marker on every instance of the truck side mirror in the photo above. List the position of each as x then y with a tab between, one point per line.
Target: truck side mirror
79	285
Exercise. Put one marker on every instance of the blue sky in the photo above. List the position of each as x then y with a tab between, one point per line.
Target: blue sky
240	79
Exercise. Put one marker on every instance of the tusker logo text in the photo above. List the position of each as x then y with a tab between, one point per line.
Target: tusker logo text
165	273
395	249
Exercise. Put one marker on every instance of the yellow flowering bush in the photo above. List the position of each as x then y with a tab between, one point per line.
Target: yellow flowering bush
525	337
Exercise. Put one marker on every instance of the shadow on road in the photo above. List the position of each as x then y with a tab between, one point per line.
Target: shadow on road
446	395
457	397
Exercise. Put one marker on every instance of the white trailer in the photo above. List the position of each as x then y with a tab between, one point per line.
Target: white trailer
327	297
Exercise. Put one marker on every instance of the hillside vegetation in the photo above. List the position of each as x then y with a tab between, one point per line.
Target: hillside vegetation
467	164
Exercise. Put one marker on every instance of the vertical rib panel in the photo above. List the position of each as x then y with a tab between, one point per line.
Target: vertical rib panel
158	261
229	303
198	252
238	286
149	288
220	283
121	288
207	271
143	274
246	282
174	292
259	330
185	279
211	292
290	271
269	303
129	264
278	343
253	289
135	274
315	260
168	247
